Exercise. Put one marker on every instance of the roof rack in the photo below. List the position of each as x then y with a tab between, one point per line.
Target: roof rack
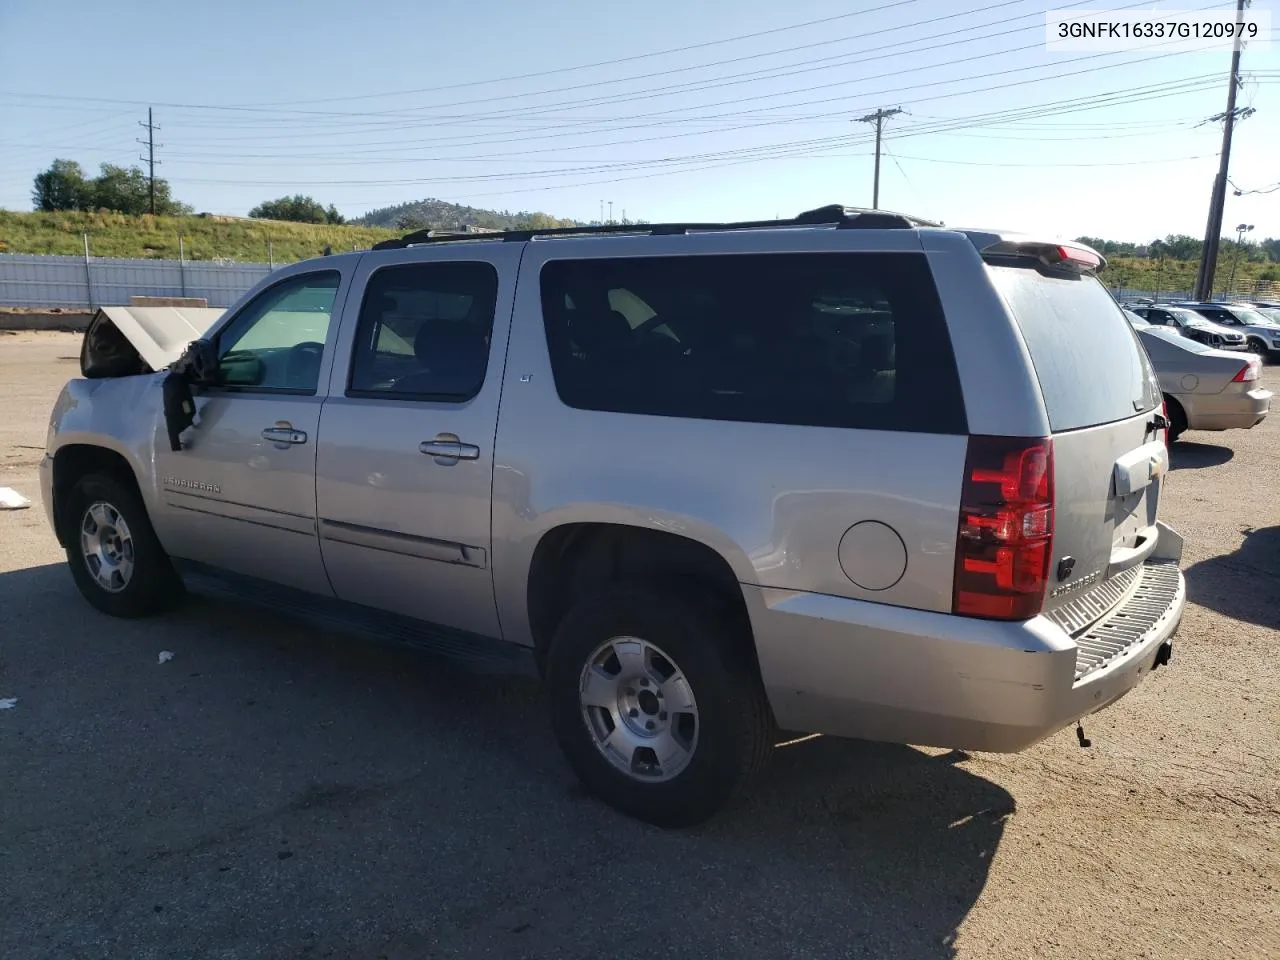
835	215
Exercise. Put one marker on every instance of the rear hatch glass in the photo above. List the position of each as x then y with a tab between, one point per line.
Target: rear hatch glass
1101	396
1089	362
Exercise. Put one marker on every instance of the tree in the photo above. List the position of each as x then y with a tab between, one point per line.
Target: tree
121	189
118	189
62	187
298	208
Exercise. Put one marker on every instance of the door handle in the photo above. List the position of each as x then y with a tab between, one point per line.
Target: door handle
446	446
284	433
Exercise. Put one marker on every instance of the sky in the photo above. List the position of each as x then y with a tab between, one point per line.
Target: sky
666	110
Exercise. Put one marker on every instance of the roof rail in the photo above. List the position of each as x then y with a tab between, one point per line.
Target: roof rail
835	215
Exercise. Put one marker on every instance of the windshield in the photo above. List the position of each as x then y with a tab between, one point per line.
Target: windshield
1174	339
1189	316
1246	315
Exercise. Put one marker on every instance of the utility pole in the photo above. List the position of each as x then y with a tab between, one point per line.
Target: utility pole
1235	258
1209	257
878	118
150	158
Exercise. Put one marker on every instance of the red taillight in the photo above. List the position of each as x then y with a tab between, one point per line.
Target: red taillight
1248	372
1164	414
1005	539
1083	257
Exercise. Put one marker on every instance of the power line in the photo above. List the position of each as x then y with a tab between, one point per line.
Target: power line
787	149
618	60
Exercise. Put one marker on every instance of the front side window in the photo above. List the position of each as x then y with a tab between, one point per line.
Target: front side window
276	342
424	332
853	340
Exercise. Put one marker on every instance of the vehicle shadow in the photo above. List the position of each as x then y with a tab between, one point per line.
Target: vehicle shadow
275	789
1190	455
1245	584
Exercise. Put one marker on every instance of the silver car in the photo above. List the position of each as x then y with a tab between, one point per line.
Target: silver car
1261	331
1192	325
1204	388
852	474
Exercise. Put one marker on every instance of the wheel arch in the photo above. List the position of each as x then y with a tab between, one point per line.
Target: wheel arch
72	461
574	558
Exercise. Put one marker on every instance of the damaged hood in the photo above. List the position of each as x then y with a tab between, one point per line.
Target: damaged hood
122	341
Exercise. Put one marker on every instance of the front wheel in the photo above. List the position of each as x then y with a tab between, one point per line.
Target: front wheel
1256	345
656	705
115	558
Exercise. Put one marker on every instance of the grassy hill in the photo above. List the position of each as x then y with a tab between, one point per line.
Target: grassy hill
441	215
204	237
1141	273
243	240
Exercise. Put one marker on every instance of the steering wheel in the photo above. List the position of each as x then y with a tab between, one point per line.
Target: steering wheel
303	363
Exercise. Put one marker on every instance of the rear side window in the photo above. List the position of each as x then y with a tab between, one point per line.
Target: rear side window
1087	357
852	340
424	332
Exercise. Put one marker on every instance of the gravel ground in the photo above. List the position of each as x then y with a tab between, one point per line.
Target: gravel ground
275	791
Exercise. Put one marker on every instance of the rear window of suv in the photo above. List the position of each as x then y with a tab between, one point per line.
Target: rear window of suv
854	340
1091	366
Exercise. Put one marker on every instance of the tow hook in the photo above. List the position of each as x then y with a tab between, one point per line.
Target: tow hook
1163	655
1085	742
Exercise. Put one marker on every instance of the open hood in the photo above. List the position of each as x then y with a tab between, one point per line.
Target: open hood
125	341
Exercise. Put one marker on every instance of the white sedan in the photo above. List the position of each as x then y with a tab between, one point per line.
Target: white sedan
1204	388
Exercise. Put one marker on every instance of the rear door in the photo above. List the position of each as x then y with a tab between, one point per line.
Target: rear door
405	461
1102	397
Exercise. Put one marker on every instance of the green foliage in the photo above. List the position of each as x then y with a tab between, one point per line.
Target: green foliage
298	209
205	237
64	186
440	215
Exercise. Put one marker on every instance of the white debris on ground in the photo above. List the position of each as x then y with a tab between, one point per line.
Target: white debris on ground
8	703
11	499
165	656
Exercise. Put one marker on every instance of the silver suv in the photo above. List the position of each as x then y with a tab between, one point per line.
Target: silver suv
851	474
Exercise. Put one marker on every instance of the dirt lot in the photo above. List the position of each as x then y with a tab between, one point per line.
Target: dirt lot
277	792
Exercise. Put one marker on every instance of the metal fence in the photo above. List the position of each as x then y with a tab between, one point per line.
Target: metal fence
28	280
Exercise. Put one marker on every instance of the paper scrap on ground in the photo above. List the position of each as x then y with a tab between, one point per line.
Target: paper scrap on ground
8	703
11	499
165	656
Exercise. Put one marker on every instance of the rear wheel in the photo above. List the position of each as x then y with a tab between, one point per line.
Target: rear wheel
1177	418
656	706
115	558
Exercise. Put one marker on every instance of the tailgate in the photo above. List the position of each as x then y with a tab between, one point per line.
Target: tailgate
1107	483
1102	399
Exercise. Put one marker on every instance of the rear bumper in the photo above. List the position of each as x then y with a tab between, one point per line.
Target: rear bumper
857	669
1233	409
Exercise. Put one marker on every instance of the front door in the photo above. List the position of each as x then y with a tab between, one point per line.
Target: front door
240	495
405	467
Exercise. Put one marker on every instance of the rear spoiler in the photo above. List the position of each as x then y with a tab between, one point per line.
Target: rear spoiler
1062	255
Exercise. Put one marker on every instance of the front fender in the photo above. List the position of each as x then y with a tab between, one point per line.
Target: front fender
118	415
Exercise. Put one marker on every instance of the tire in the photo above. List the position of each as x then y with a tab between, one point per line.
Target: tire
1177	419
102	512
1256	345
726	740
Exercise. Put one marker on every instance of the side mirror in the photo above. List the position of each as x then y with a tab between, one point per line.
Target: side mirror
198	363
